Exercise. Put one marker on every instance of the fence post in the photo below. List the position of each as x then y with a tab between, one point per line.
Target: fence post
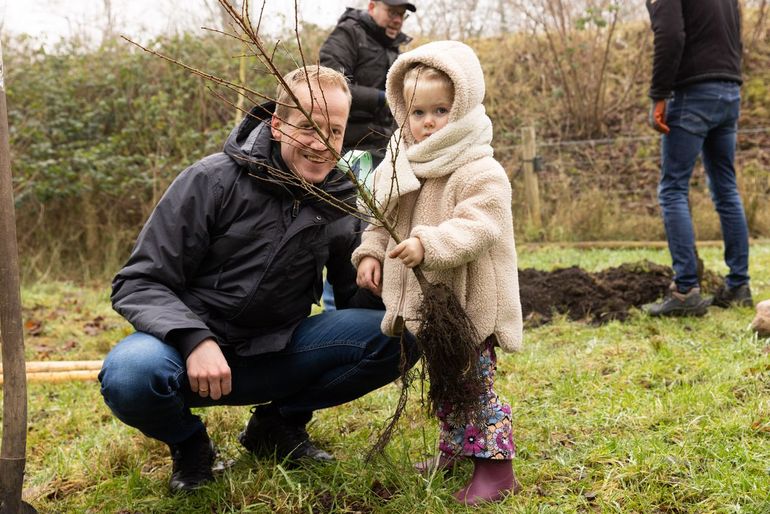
531	187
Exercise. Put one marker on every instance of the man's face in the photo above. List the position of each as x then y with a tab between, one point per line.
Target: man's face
301	147
387	17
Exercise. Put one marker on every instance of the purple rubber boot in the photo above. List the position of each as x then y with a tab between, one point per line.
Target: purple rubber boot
492	481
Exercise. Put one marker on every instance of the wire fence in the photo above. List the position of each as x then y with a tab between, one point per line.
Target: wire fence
618	177
609	141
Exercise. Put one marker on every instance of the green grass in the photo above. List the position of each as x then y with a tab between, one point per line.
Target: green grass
647	416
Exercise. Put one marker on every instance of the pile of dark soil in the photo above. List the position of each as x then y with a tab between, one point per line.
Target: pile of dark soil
595	297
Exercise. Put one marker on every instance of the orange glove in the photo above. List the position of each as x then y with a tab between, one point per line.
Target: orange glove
657	117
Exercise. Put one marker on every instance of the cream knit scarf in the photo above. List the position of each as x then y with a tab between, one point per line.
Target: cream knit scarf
460	142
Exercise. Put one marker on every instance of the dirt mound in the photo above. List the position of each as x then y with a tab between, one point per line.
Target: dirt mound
595	297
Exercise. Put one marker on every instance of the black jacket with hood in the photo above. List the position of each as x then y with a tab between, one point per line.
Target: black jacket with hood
695	41
232	254
359	49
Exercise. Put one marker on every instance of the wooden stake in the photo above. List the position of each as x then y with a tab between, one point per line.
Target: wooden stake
14	443
531	186
38	366
625	244
61	376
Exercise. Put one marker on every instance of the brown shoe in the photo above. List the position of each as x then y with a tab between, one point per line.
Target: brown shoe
739	296
675	303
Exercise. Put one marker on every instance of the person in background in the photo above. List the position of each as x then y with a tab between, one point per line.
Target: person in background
695	92
221	281
362	47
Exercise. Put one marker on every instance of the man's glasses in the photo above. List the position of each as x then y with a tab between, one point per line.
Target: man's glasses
397	13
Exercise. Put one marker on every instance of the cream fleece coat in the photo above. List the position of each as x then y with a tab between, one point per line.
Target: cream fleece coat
462	213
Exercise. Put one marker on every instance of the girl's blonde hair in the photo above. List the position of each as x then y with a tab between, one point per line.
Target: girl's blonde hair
313	74
423	72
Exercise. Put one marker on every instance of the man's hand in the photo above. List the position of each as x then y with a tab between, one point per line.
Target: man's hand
208	371
410	251
657	118
369	275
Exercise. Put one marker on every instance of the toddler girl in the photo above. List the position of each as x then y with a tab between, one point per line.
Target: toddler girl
441	185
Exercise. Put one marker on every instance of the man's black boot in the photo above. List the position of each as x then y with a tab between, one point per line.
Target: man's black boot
728	296
675	303
268	433
193	459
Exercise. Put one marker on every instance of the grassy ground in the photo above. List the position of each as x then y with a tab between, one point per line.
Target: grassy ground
666	416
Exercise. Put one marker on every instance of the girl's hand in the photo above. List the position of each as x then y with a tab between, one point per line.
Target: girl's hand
369	275
410	251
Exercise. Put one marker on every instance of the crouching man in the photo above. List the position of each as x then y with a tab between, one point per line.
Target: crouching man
220	285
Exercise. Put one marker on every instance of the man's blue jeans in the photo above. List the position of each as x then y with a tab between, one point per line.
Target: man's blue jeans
332	358
703	119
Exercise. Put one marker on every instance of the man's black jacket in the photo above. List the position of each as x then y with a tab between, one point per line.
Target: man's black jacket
232	254
359	49
695	41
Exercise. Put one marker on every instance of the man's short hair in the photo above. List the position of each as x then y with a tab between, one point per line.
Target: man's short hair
315	75
425	73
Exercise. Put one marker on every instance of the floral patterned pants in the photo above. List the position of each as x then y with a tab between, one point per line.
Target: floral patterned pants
494	440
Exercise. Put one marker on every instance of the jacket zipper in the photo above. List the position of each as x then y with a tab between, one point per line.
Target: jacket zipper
284	241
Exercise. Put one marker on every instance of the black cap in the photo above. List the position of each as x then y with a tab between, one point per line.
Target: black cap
395	3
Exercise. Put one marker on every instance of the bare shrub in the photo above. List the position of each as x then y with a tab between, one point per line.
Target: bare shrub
462	19
590	215
573	42
755	25
754	184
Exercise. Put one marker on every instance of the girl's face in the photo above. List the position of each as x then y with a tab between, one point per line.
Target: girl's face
428	102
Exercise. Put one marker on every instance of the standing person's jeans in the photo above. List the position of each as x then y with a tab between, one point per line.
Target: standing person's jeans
328	297
703	119
332	358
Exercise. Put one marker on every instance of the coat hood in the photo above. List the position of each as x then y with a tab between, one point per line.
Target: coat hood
455	59
250	143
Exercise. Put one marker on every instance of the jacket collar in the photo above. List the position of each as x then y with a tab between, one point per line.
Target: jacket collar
459	143
374	30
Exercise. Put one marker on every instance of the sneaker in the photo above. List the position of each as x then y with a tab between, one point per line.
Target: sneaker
728	296
675	303
193	459
268	433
